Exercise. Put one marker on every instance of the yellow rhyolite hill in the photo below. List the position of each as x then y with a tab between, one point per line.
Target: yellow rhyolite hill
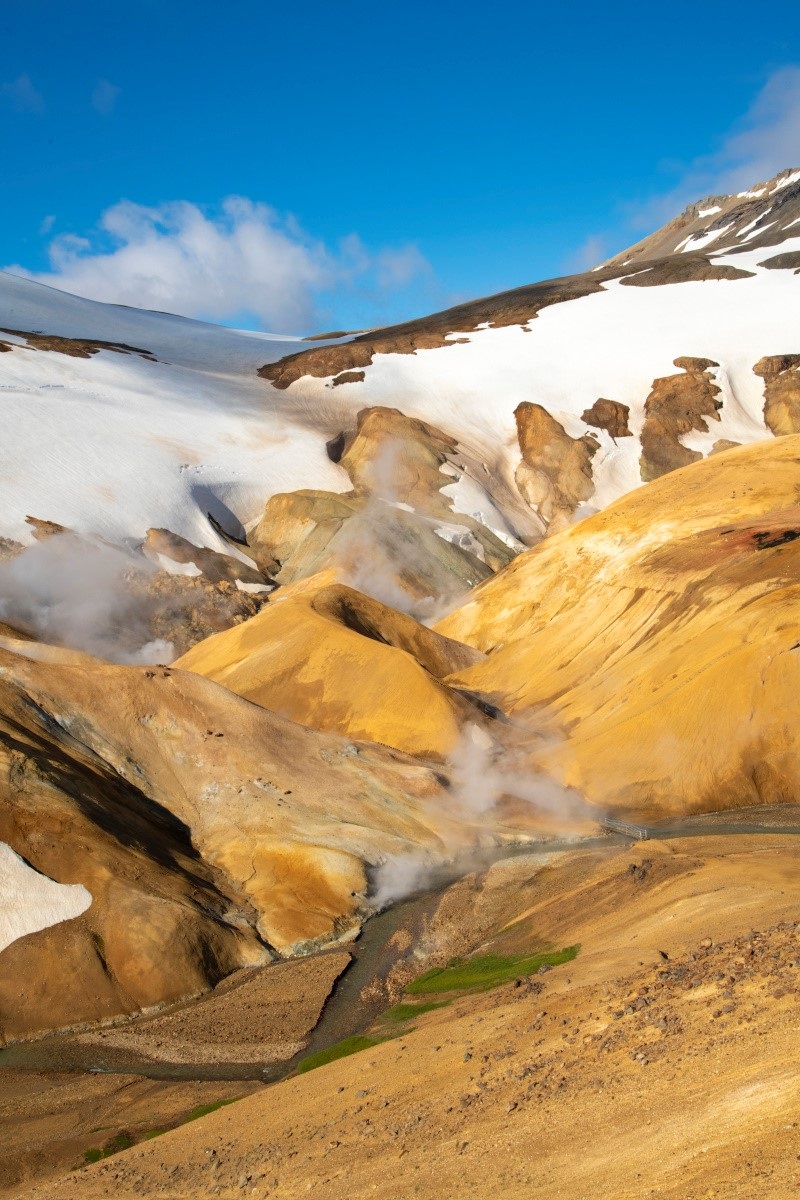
331	658
658	642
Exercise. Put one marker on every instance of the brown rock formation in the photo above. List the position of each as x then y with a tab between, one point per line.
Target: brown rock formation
783	262
74	347
9	549
681	268
609	415
676	405
555	474
781	375
516	307
215	567
381	537
398	458
42	530
348	377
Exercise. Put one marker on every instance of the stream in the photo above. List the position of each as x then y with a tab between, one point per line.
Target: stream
373	956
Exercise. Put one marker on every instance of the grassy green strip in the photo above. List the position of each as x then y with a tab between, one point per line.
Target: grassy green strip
120	1141
203	1110
407	1012
485	971
351	1045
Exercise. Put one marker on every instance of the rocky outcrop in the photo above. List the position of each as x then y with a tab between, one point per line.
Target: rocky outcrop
677	405
790	261
781	375
42	530
555	474
516	307
655	644
609	415
394	535
9	548
682	268
172	553
90	595
73	347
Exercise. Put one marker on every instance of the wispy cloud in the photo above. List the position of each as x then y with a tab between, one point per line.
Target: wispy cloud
591	251
23	96
764	141
104	97
243	261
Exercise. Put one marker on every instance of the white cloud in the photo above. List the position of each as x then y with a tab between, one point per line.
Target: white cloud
243	262
23	95
47	224
764	141
104	97
590	253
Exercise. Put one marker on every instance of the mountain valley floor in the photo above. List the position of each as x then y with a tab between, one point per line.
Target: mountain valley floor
662	1061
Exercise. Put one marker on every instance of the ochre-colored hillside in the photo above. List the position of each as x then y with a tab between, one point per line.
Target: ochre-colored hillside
658	642
329	657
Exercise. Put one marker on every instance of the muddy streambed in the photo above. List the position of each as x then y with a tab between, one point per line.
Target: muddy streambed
348	1009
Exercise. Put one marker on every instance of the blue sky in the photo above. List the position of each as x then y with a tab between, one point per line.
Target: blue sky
387	159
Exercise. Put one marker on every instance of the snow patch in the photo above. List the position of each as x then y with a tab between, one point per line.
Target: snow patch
698	240
254	589
757	232
793	178
178	568
461	536
30	901
753	223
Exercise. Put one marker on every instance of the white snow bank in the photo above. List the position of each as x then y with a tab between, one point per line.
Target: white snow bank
793	178
30	901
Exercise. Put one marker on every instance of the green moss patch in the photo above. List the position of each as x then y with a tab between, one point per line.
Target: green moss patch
351	1045
486	971
120	1141
124	1140
407	1012
203	1110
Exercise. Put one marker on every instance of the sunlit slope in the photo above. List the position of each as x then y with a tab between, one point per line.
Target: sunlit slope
659	641
103	767
329	657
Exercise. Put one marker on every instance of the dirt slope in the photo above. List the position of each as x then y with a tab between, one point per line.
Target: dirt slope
661	1062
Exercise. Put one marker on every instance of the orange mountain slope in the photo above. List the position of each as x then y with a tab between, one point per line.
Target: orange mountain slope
331	658
658	642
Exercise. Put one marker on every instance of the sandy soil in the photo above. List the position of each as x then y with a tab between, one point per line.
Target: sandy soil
662	1062
258	1015
48	1121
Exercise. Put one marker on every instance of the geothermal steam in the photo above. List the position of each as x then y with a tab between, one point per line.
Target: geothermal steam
82	594
481	774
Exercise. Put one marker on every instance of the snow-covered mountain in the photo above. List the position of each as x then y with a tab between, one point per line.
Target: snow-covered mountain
325	750
178	418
